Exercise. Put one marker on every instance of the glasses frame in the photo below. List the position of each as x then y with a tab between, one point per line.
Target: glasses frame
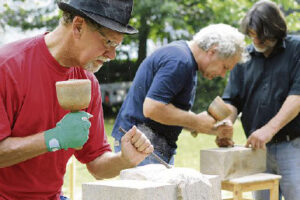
108	42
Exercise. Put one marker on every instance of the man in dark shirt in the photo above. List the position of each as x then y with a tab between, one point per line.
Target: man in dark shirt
266	90
163	89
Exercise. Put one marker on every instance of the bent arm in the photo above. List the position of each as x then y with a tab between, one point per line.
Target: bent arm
14	150
288	111
135	148
168	114
107	165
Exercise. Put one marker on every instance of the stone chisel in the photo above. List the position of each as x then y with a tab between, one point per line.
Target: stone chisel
153	154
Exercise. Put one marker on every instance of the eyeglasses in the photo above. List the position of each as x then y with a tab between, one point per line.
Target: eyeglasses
109	43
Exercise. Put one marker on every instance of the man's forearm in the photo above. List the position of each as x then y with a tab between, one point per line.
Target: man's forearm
107	165
168	114
288	111
14	150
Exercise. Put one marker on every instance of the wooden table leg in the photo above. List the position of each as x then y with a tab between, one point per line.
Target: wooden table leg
237	192
274	191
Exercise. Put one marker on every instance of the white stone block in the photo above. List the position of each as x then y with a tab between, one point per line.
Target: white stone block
191	184
128	190
232	162
147	172
215	181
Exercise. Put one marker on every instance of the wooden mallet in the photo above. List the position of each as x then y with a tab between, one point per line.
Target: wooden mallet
74	94
218	110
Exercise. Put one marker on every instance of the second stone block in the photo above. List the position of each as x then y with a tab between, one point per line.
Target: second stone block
232	162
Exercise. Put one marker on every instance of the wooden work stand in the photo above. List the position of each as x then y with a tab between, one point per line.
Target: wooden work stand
261	181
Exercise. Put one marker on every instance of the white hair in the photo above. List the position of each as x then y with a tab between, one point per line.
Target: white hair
227	40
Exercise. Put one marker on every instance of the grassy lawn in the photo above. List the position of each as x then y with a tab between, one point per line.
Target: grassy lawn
188	154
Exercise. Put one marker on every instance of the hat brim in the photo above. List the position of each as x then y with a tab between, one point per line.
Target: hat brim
103	21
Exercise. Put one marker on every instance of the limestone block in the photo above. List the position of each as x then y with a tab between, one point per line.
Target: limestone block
128	189
232	162
147	172
191	184
215	181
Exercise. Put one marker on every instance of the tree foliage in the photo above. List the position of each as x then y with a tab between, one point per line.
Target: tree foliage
28	14
156	20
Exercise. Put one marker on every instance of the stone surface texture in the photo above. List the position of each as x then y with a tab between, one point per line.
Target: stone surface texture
215	181
191	184
232	162
128	190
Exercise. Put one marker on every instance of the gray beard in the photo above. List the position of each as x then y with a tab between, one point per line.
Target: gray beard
91	68
263	50
260	50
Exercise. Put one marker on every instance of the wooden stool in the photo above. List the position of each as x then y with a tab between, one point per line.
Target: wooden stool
261	181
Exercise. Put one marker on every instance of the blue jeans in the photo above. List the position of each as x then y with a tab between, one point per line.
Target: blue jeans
149	159
64	198
284	159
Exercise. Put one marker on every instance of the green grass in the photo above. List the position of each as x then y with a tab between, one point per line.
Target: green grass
188	154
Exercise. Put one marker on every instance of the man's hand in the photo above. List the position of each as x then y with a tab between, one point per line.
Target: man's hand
135	146
205	123
224	134
72	131
259	138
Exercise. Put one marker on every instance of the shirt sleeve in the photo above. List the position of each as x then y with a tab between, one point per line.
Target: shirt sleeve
295	86
97	143
5	130
233	90
168	81
8	98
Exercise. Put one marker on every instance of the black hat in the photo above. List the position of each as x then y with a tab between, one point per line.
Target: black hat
113	14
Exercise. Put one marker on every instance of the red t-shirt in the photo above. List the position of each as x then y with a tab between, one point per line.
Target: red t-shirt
28	105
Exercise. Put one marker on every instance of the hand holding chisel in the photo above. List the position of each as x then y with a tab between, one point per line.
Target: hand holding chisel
153	154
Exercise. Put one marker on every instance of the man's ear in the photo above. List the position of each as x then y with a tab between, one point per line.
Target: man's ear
212	51
77	26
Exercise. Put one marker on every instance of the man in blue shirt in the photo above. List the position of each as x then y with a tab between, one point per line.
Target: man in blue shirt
163	89
266	90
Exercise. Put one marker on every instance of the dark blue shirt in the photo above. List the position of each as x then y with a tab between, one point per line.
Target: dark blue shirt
259	87
169	75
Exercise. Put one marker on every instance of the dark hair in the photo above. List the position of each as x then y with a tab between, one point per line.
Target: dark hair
67	18
266	19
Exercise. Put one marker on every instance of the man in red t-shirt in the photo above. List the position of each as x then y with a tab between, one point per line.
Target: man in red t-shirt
37	137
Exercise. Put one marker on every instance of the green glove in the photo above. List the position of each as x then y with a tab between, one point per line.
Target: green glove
72	131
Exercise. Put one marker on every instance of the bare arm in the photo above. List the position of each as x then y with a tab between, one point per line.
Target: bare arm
288	111
170	115
14	150
108	165
135	148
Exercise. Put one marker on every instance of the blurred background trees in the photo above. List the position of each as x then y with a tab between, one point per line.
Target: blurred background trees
158	21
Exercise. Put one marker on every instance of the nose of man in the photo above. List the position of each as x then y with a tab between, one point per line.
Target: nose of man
110	53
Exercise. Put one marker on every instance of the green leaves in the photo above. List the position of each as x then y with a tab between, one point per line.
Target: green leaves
29	14
156	20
